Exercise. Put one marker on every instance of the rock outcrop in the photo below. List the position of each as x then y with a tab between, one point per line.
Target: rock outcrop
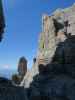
22	70
56	80
2	21
56	52
22	66
55	29
27	80
65	53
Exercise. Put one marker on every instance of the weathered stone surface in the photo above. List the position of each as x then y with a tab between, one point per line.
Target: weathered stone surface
56	80
49	28
22	66
55	29
47	40
22	70
27	80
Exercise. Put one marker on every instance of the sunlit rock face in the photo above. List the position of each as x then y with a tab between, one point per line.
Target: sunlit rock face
22	66
55	29
2	21
28	78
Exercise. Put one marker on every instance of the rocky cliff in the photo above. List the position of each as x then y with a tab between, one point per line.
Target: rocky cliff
56	28
56	80
53	73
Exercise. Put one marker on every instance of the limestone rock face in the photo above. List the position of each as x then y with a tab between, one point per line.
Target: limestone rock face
28	78
22	66
56	29
47	40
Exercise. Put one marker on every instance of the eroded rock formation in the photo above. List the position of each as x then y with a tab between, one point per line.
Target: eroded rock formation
22	66
22	70
55	29
57	46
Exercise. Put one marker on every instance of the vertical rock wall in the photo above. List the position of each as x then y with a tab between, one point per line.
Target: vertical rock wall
55	28
50	32
47	41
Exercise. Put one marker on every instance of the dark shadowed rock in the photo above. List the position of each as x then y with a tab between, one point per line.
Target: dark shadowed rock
65	52
56	81
10	92
53	86
2	21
